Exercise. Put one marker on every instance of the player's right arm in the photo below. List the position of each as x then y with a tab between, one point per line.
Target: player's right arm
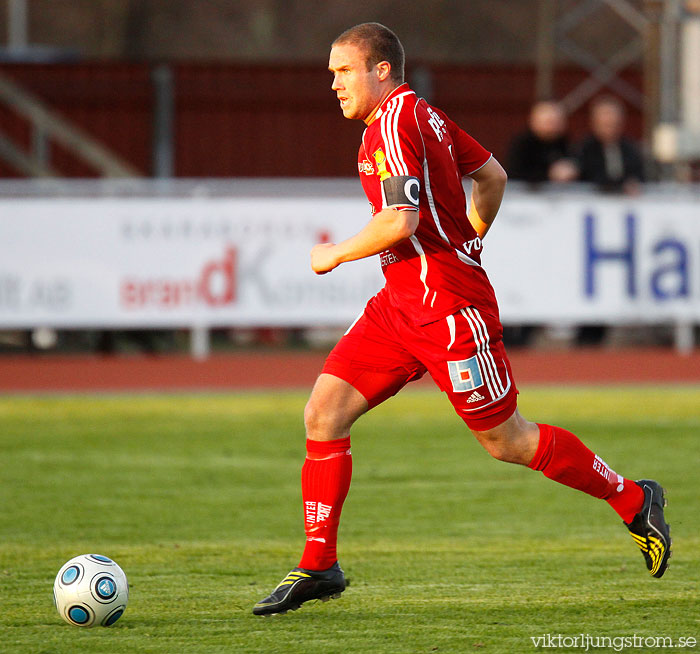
387	228
398	176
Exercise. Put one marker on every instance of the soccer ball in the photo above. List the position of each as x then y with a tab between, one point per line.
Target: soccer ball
90	590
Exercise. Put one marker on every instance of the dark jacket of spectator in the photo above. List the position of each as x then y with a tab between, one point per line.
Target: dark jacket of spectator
530	158
610	166
607	158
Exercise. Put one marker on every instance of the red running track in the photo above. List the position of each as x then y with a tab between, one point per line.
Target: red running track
222	372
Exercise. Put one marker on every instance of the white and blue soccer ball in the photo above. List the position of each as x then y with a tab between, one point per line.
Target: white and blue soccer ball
91	590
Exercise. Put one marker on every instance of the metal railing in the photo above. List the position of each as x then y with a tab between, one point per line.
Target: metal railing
47	124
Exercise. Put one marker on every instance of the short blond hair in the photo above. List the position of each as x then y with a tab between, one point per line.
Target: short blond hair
378	43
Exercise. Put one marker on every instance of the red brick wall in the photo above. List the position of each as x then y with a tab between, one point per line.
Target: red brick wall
262	120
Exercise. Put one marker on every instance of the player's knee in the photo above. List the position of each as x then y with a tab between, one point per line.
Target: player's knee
320	423
503	448
503	451
332	409
312	416
514	441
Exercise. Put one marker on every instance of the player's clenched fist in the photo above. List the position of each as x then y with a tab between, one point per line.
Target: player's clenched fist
323	258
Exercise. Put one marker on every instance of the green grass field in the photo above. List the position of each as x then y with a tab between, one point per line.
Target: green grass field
197	497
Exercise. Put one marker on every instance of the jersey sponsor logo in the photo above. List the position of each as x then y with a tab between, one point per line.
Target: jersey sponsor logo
475	244
380	160
387	257
401	190
465	375
475	397
438	125
365	167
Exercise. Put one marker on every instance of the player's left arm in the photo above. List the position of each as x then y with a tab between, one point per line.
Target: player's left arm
489	178
487	194
386	228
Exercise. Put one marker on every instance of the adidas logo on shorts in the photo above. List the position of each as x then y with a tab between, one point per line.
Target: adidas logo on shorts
475	397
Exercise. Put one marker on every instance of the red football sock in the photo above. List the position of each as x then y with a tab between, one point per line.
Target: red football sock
561	456
325	480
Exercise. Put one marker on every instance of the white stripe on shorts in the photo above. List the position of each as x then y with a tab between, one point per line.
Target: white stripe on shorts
484	356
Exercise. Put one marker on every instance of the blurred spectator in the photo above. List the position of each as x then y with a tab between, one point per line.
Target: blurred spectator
542	153
606	158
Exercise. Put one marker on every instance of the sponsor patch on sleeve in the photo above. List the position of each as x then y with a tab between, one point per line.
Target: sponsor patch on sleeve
401	191
380	160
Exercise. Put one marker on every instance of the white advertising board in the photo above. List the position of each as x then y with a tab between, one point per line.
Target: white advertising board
156	262
596	259
244	261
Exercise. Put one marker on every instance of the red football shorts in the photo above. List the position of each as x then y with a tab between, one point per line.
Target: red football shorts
463	353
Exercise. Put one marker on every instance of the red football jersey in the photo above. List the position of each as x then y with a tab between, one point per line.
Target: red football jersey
437	271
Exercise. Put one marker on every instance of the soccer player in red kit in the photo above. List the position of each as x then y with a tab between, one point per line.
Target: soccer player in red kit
437	313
